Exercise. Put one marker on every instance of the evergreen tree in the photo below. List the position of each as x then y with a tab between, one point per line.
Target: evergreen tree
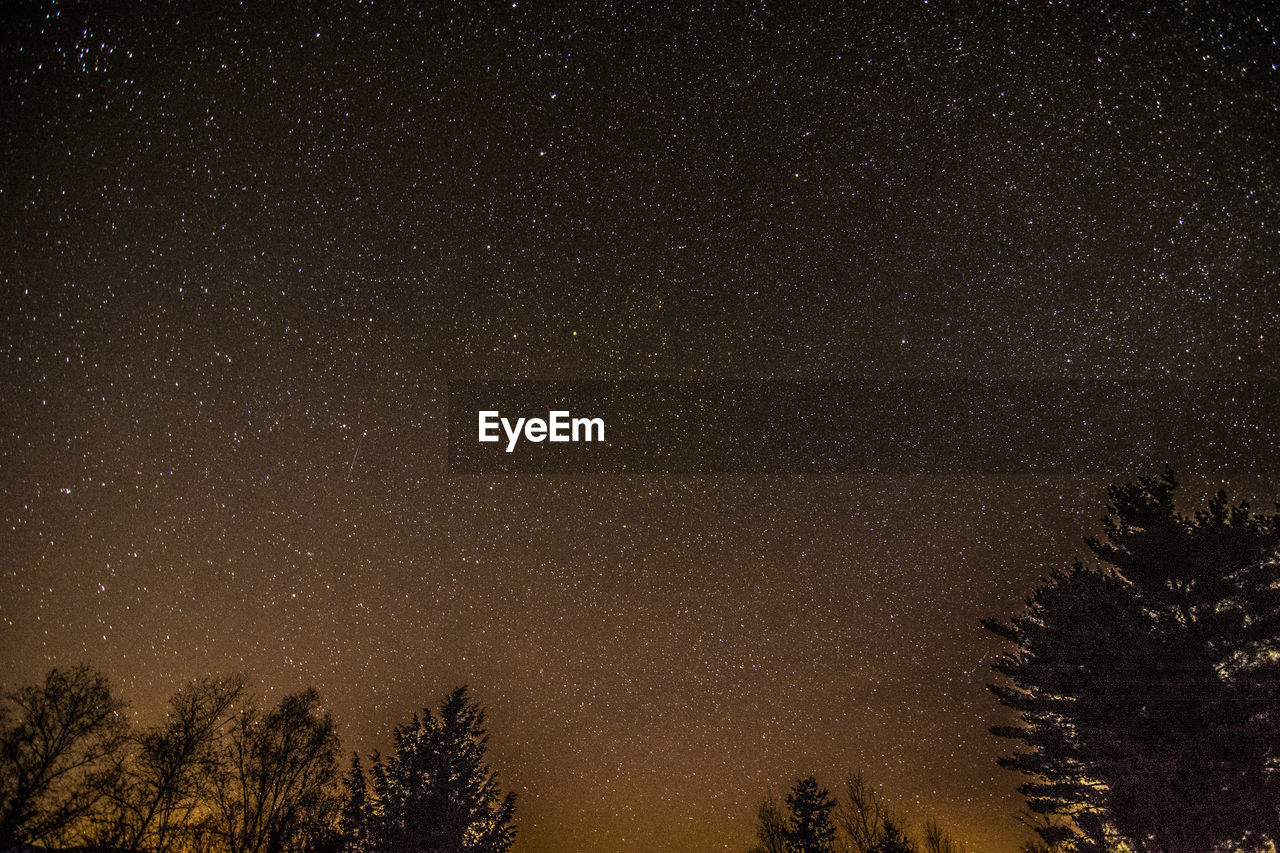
435	793
810	828
1149	688
355	806
893	840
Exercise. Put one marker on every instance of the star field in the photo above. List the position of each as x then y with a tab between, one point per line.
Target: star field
246	248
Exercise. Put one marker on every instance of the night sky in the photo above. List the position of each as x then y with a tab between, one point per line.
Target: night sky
245	248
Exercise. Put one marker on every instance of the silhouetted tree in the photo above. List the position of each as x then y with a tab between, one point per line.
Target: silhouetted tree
216	775
893	840
58	746
355	806
1046	826
861	822
936	840
1149	688
771	827
272	792
435	793
863	816
809	826
159	801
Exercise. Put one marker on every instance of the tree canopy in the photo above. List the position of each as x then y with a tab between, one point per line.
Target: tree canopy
221	773
856	820
435	793
809	829
58	740
1148	686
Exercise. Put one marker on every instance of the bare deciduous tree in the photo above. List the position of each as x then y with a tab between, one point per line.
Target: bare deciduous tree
863	815
158	805
771	827
59	743
937	841
277	777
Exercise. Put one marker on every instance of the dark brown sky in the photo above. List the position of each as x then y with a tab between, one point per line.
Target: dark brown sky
245	250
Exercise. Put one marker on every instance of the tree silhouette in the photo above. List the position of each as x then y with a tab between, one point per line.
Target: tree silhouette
272	792
435	793
809	827
158	802
863	816
861	822
893	840
355	806
221	774
771	827
1148	689
936	840
58	746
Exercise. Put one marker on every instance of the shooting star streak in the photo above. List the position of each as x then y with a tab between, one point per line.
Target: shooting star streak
352	467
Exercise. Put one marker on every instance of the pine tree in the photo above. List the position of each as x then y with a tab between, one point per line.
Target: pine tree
1149	688
810	828
355	807
893	840
435	793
